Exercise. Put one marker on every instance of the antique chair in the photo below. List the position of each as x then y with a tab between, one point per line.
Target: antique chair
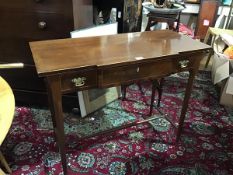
170	19
154	17
162	11
7	108
157	84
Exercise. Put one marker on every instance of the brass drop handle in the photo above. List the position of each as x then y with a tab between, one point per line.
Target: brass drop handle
42	25
80	81
183	63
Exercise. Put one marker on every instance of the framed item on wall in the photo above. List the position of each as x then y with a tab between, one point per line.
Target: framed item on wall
92	100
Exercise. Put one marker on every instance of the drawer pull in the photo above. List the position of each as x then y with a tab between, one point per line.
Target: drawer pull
42	25
138	69
80	81
183	63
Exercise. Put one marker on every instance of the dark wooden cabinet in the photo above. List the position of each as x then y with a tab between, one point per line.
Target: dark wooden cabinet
34	20
25	21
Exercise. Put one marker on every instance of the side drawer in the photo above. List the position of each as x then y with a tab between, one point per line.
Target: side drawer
79	80
184	63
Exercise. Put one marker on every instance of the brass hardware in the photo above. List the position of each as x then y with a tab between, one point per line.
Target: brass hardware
80	81
183	63
42	25
138	69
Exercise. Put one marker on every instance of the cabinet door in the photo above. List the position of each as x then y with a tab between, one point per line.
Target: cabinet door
52	6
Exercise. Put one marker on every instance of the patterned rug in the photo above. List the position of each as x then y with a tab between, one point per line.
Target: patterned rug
206	145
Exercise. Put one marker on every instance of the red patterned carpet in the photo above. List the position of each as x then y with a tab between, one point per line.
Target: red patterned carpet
206	145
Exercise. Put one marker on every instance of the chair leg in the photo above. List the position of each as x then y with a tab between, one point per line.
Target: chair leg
155	85
211	52
208	58
140	87
148	24
4	163
160	91
178	23
123	91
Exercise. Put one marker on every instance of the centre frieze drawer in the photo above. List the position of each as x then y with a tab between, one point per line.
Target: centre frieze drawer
127	73
145	70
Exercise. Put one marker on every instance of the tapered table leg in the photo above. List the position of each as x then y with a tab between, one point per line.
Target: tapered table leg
155	86
188	90
160	91
123	91
55	95
50	104
192	74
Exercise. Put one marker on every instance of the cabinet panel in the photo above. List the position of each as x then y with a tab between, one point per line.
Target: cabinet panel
25	21
28	25
24	78
50	6
21	28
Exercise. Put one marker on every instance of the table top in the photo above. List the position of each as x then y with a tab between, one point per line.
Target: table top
54	56
7	108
